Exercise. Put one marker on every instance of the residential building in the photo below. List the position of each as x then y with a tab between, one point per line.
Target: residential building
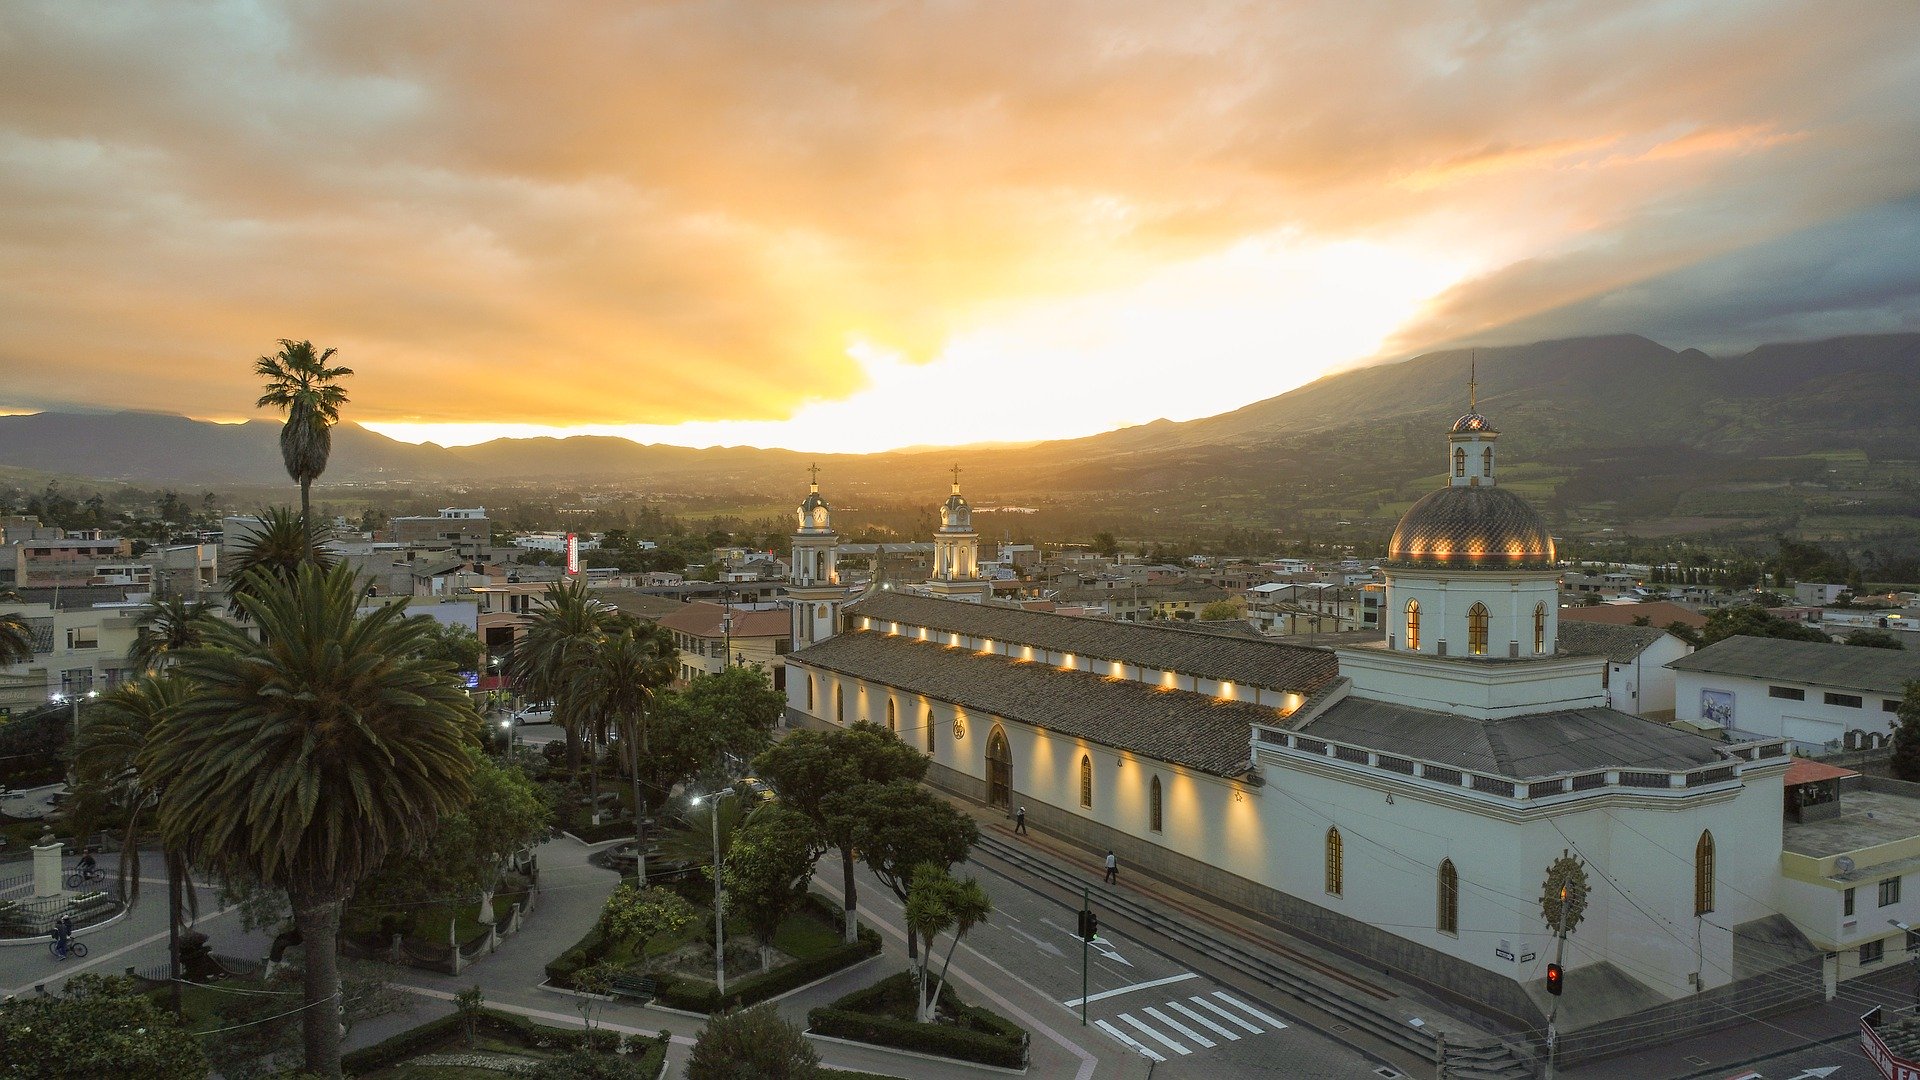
465	532
1637	679
1820	695
712	636
81	639
1849	844
1655	612
84	557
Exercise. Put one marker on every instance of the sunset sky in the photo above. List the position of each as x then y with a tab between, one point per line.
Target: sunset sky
855	226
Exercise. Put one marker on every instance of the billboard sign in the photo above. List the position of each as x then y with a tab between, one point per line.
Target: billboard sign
1891	1065
573	554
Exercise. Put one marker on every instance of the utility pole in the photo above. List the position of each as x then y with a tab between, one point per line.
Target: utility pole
1086	941
1559	957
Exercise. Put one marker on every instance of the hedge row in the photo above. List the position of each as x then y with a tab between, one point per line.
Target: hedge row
694	995
584	952
601	833
975	1035
437	1034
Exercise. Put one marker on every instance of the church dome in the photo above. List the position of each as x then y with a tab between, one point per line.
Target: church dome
814	512
1473	421
956	514
1472	528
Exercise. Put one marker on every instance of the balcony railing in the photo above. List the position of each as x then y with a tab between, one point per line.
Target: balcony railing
1675	781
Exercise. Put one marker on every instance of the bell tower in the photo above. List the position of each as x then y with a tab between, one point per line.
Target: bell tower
956	551
814	591
1470	443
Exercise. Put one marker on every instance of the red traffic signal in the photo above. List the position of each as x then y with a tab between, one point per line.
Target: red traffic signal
1556	979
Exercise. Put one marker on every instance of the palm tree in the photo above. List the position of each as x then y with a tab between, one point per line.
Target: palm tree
274	549
306	757
16	640
105	763
616	689
300	382
166	627
567	628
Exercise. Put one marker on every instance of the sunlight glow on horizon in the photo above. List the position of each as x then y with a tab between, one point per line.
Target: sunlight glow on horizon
1204	337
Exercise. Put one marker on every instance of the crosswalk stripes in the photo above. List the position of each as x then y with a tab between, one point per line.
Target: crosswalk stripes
1198	1019
1192	1035
1152	1034
1199	1011
1248	1009
1136	1045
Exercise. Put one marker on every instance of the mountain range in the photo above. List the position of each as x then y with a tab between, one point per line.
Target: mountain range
1616	421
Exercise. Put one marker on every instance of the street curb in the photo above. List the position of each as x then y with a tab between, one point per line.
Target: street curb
915	1054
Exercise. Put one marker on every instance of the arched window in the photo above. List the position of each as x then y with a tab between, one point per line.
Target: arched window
929	731
1459	462
893	725
1477	630
1086	781
809	693
1334	866
1413	625
1703	874
1153	805
1486	462
1540	628
839	703
1448	919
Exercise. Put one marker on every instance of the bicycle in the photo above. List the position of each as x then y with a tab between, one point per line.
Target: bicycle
74	948
77	877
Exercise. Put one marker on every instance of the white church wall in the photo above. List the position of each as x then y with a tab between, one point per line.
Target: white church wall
1446	598
1486	691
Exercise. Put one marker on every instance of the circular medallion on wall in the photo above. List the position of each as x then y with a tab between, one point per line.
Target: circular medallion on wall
1563	896
959	728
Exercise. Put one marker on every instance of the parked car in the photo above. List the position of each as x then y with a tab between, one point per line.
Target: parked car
540	713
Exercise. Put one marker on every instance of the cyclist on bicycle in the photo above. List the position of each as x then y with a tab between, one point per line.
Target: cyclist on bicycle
62	935
86	864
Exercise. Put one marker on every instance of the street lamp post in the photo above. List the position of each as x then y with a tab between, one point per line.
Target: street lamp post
719	914
73	774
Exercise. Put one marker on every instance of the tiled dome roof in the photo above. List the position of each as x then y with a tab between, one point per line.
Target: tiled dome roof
1473	421
1472	528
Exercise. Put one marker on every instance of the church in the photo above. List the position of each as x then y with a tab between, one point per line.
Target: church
1420	801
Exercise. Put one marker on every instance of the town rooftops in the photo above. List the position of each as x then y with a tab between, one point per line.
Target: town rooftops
1867	819
1519	747
1657	613
705	621
1619	644
1807	771
1176	726
1813	663
1242	661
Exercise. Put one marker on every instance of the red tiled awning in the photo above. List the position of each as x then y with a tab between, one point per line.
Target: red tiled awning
1803	771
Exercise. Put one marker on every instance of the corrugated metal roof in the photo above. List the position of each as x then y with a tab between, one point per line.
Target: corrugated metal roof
1814	663
1244	662
1176	726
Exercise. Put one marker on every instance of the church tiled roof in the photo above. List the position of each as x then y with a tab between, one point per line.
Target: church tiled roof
1520	747
1176	726
1471	528
1619	644
1244	662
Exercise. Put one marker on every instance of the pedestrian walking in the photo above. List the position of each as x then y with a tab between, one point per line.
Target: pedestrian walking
1113	869
1020	822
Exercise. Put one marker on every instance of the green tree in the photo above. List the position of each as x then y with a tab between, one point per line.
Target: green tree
469	1005
618	689
16	639
1685	633
566	628
1223	610
938	902
634	916
1874	639
901	827
451	644
729	713
807	767
768	868
1752	620
299	382
1105	544
1905	761
166	627
106	764
754	1044
99	1026
308	756
272	550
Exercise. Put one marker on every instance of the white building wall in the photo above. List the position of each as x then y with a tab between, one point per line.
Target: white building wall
1646	685
1810	722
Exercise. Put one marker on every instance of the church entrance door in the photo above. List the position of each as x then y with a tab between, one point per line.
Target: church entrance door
999	770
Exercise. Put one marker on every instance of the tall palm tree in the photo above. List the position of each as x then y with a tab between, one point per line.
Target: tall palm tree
300	382
307	756
567	627
274	549
106	765
16	640
617	688
166	627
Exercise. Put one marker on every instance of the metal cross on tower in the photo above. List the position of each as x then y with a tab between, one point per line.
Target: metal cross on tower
956	478
1473	381
814	472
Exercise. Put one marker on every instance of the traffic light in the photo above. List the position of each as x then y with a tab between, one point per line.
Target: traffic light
1556	980
1089	926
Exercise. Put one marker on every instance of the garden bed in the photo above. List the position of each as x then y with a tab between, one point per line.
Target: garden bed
883	1015
811	939
499	1033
